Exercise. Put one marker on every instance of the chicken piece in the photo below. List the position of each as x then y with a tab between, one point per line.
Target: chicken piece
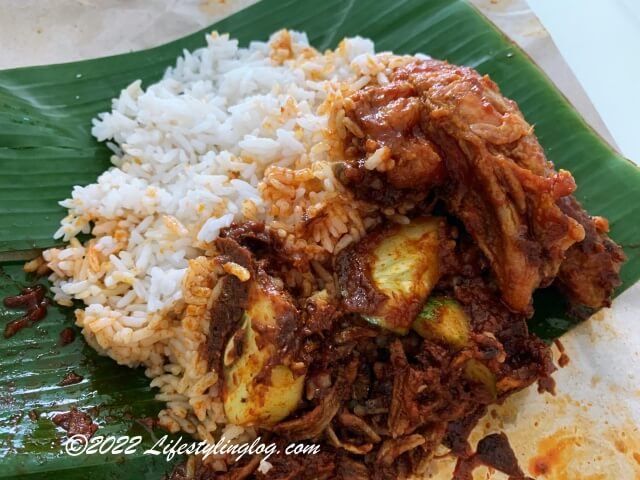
507	203
389	118
591	269
395	163
509	209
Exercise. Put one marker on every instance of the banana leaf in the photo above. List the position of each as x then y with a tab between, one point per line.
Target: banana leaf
46	148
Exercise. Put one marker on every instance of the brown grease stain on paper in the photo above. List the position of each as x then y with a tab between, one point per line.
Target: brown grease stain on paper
576	453
566	438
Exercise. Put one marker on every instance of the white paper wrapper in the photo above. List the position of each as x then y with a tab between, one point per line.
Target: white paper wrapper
35	32
589	430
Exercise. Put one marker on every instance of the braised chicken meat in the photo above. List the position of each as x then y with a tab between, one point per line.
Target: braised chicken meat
447	128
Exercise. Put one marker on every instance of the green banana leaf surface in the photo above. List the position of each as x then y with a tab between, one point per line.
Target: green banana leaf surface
46	148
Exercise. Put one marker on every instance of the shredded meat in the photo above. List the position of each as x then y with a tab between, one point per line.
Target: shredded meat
349	469
292	467
328	464
313	423
393	448
243	470
408	390
197	469
380	404
354	422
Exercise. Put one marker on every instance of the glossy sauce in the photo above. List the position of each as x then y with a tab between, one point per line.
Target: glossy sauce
31	299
